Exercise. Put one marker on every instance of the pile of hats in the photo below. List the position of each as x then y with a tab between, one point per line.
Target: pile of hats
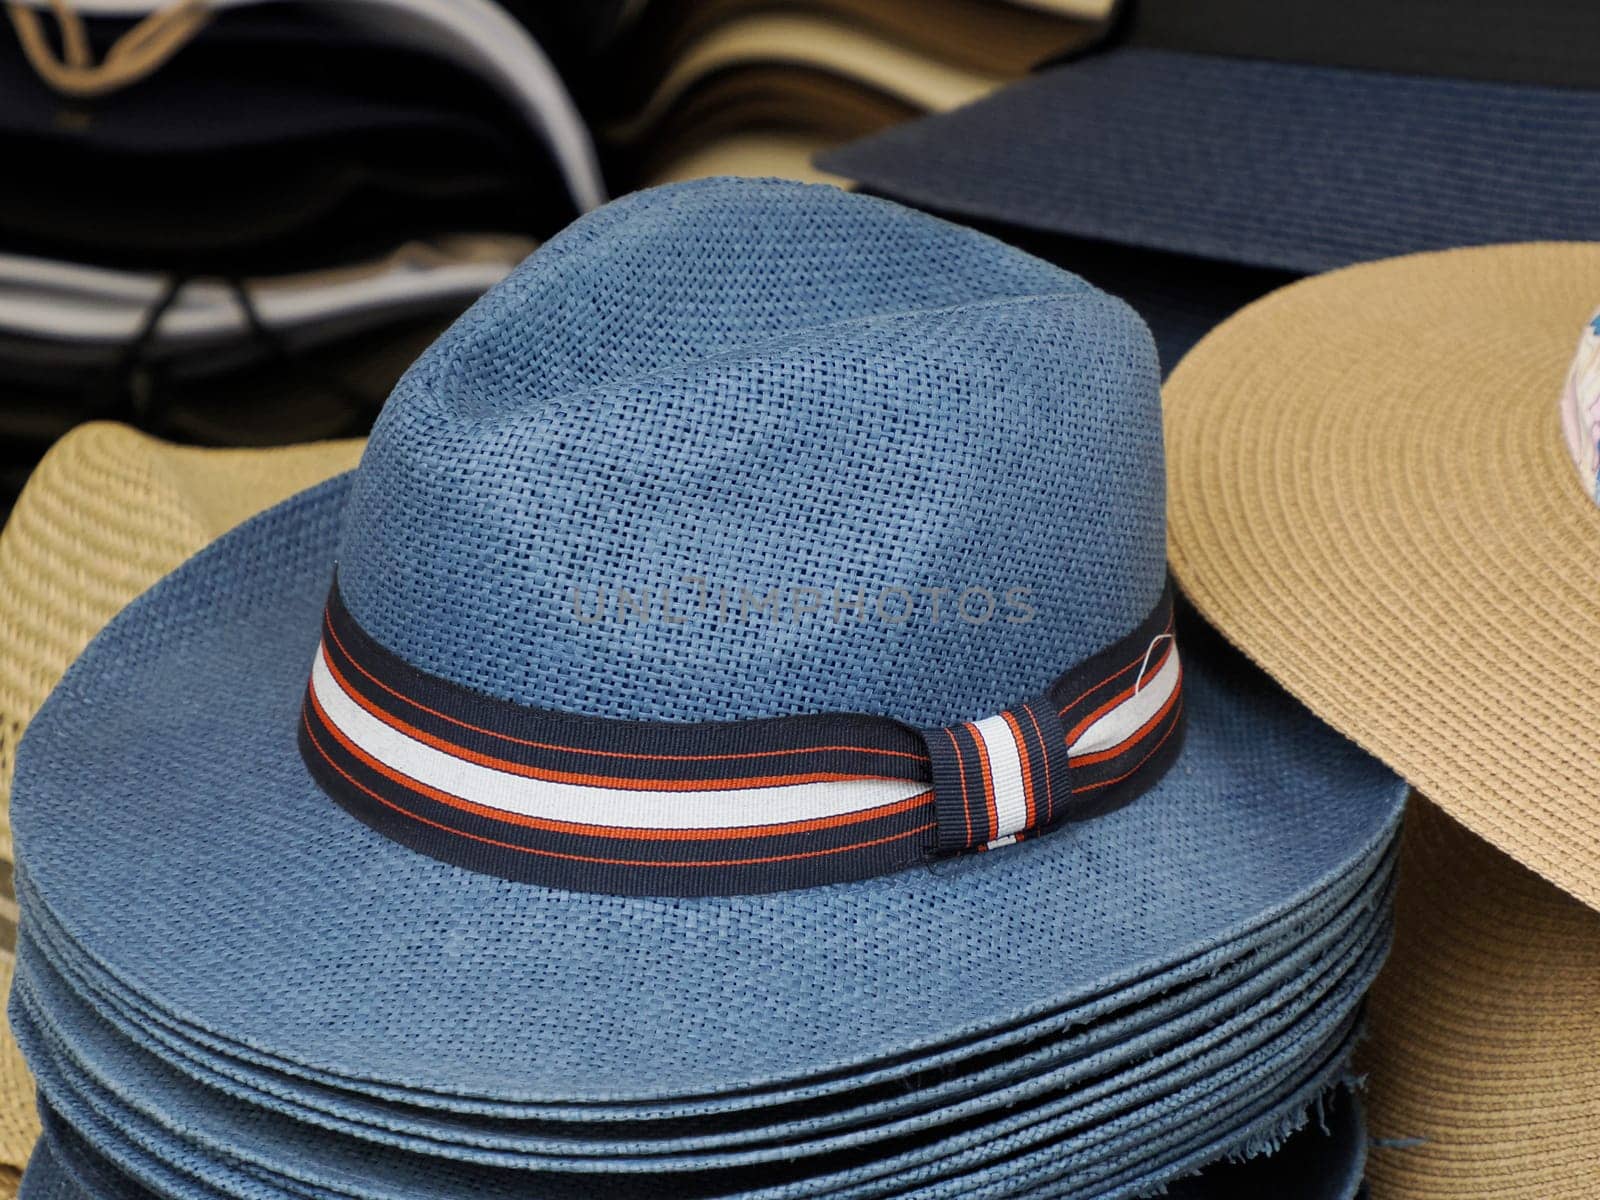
624	815
1371	492
242	220
757	87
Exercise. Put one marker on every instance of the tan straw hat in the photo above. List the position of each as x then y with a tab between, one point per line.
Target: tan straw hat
1483	1064
106	513
1371	494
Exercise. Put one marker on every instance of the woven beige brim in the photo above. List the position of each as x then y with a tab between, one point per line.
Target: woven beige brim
802	40
1483	1062
1003	39
107	513
1370	494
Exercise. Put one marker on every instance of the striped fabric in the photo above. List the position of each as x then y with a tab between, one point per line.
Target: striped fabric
663	808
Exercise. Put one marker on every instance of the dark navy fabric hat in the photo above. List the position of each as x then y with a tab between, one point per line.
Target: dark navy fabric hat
732	734
1290	137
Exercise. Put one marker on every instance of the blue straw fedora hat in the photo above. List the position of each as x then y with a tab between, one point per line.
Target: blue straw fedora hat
743	656
1257	140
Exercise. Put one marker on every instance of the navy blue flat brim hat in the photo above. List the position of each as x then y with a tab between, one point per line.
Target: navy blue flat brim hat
761	381
382	132
1281	137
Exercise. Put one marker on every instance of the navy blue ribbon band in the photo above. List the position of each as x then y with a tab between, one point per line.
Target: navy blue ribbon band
719	808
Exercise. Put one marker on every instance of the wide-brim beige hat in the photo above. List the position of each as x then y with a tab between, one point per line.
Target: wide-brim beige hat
1006	39
801	41
106	513
1372	495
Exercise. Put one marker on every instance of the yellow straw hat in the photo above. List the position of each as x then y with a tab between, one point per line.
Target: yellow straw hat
1483	1063
105	514
1371	494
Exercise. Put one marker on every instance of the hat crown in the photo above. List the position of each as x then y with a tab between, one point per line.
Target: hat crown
735	449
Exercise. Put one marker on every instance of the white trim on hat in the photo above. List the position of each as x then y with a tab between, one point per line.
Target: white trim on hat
1127	718
581	804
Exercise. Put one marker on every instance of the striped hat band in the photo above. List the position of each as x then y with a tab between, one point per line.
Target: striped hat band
719	808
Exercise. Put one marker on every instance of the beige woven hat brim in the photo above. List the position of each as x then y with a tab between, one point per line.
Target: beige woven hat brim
1005	39
1370	494
1483	1062
107	513
756	155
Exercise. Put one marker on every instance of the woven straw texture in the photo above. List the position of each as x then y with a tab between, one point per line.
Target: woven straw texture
1485	1038
1069	1048
47	1179
1322	1160
1370	494
106	513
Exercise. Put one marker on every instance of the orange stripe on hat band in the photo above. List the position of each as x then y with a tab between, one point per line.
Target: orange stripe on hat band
1027	773
986	773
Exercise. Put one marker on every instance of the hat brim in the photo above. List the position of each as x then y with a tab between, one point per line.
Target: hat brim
1321	1160
106	513
47	1179
1266	164
169	824
152	1121
1126	1018
1170	1052
1370	492
19	1121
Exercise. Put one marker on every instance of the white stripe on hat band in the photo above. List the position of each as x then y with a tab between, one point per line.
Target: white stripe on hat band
1005	767
1127	718
581	804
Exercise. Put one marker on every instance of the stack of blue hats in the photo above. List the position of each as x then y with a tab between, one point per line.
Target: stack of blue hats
731	737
